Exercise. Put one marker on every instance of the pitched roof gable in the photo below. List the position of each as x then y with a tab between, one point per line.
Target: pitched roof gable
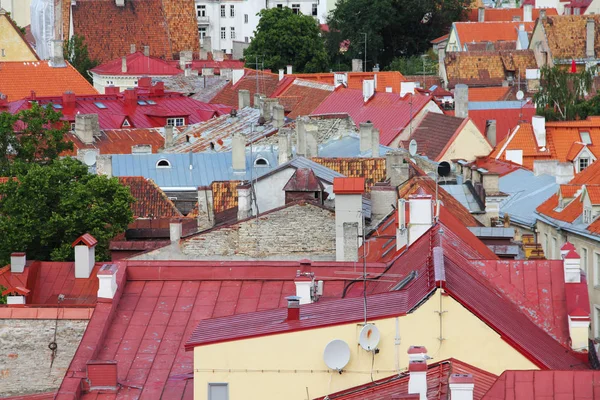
137	64
151	201
435	132
489	31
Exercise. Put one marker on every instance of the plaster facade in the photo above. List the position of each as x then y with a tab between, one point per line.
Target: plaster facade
12	45
467	145
408	130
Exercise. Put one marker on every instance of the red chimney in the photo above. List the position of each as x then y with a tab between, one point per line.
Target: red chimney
159	88
102	375
130	97
68	102
111	90
145	82
32	97
3	101
293	308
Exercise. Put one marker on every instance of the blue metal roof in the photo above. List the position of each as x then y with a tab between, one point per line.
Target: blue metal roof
495	105
347	146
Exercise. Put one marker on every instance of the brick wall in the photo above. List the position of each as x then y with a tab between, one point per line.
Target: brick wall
298	229
25	357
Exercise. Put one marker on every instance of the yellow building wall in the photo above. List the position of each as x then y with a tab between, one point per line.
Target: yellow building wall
290	366
469	144
12	44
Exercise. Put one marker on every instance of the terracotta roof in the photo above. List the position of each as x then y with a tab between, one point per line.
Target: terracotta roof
487	68
303	97
224	195
438	375
489	31
388	112
151	201
137	64
500	167
267	83
372	169
167	26
568	214
385	79
545	385
303	180
566	35
348	185
18	79
440	39
435	132
507	14
85	239
118	141
488	93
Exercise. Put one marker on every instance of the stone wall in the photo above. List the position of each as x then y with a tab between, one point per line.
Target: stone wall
25	357
298	229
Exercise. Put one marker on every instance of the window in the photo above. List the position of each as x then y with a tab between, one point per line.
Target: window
585	137
223	11
223	33
576	11
246	39
296	8
245	18
596	269
142	103
201	10
151	102
202	32
314	9
232	32
279	5
176	121
3	52
218	391
554	248
546	244
100	105
126	122
73	126
232	11
584	162
584	259
587	215
261	162
567	11
57	106
163	164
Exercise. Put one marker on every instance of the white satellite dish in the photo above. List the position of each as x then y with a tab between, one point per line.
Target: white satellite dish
336	355
520	95
369	337
89	158
412	147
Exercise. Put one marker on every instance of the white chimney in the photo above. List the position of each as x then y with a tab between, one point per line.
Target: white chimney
572	267
132	48
461	386
340	79
461	101
289	69
420	216
539	129
17	262
407	88
527	13
238	152
85	255
366	136
86	126
107	281
243	99
481	14
590	34
244	201
124	64
104	165
383	198
236	75
284	147
348	217
417	381
375	143
175	231
304	288
147	51
278	116
566	248
57	59
120	3
368	89
281	71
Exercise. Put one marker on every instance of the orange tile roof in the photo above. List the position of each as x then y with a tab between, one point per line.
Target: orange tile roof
385	79
150	200
522	138
224	195
303	97
489	31
348	185
18	79
569	191
507	14
568	214
488	93
594	193
566	35
594	227
372	169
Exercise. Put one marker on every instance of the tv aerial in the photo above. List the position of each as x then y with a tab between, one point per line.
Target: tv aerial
336	355
412	148
369	337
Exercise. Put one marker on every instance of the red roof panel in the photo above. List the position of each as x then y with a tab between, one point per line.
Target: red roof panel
348	185
137	64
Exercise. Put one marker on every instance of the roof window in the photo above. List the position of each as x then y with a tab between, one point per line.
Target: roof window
142	103
163	164
151	102
585	137
261	162
57	106
100	105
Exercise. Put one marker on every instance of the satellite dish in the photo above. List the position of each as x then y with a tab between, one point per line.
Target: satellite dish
336	354
369	337
412	147
89	158
520	95
444	168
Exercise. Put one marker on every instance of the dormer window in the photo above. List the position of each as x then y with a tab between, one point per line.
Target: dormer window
585	137
584	162
126	123
163	164
175	121
261	162
587	215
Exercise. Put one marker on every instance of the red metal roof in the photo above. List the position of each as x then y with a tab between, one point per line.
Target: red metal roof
348	185
303	180
438	375
85	239
137	64
546	385
119	141
388	112
506	119
500	167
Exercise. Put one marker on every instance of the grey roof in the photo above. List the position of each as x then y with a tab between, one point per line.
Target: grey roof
495	105
525	193
347	146
489	232
205	167
464	196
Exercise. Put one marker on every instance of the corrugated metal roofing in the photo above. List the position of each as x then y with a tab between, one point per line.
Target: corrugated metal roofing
497	105
464	196
348	146
484	231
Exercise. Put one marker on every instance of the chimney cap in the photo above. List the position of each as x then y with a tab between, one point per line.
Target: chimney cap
86	239
417	366
461	378
417	349
348	185
568	246
572	255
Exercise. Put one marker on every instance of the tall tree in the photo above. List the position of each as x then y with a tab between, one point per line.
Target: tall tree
282	38
47	207
76	52
393	28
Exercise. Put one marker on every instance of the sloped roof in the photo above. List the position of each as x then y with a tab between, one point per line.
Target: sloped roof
507	14
303	180
566	35
489	31
151	201
488	93
568	214
18	79
385	79
167	26
137	64
302	97
388	112
266	82
372	169
435	132
499	167
118	141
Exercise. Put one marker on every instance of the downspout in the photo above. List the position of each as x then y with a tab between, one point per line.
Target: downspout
397	346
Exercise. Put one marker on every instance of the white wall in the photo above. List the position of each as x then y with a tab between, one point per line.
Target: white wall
19	11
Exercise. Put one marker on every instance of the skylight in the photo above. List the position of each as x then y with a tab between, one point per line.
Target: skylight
151	102
142	102
57	106
100	105
585	137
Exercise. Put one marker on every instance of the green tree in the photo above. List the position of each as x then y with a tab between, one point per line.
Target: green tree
76	52
414	65
561	96
285	38
40	138
47	207
393	28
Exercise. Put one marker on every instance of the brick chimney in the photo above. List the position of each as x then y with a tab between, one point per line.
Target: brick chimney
111	90
293	308
3	101
104	165
366	136
243	99
85	255
278	116
57	59
17	262
348	217
86	126
307	133
68	102
107	281
461	386
130	97
238	152
244	201
461	101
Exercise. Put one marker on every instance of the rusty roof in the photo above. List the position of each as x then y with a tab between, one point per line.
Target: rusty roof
150	200
118	141
372	169
303	180
566	35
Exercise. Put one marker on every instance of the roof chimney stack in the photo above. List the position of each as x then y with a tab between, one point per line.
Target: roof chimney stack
57	60
175	231
147	51
527	13
375	143
590	34
357	65
278	115
124	64
130	97
461	101
206	210
293	307
539	129
104	165
243	99
383	199
85	255
244	201
417	368
281	71
107	281
120	3
168	136
461	386
238	152
289	69
366	136
490	132
284	146
368	89
481	14
348	217
17	262
132	48
86	126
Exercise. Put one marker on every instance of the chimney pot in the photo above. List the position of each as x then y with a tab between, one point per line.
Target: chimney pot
293	306
132	48
107	281
244	201
481	14
147	51
527	13
281	71
461	386
17	262
238	152
289	69
124	64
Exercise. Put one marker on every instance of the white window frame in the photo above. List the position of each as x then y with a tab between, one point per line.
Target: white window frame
232	10
223	11
232	32
200	10
176	121
217	384
296	8
587	215
580	162
245	18
163	160
126	123
202	32
315	9
223	33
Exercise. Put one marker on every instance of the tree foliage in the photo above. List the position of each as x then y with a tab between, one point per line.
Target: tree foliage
76	52
414	65
46	207
285	38
40	138
394	28
562	94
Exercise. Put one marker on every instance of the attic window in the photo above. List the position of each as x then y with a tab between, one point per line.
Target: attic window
100	105
585	137
261	162
151	102
163	164
126	122
142	103
57	106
